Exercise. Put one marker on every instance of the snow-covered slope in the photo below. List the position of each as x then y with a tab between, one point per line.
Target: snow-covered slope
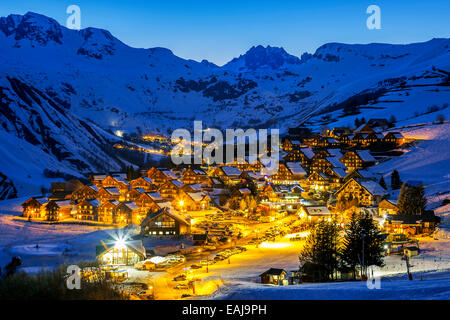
56	83
102	79
427	160
42	140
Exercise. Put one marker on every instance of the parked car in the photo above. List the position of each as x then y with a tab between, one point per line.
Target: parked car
180	277
181	286
235	251
145	294
196	266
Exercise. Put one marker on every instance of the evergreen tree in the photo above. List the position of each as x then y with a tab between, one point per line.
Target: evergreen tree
419	201
233	203
382	183
402	205
351	245
411	200
243	204
362	230
392	121
321	250
341	204
395	180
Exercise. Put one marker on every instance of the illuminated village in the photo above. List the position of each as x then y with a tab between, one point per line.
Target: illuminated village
188	219
228	151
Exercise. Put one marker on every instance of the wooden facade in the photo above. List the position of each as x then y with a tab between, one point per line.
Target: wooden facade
34	208
87	210
191	176
164	222
108	193
368	193
355	160
86	192
106	211
144	183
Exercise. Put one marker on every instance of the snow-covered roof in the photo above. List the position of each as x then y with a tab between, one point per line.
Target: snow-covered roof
65	203
274	271
131	205
373	187
296	168
166	204
362	127
396	135
215	181
169	174
254	175
174	214
199	172
114	202
112	190
245	191
140	190
307	152
335	153
177	183
196	196
335	162
320	174
195	186
121	176
331	140
120	179
317	210
95	202
366	174
340	172
95	188
148	180
231	171
41	200
365	156
155	195
99	176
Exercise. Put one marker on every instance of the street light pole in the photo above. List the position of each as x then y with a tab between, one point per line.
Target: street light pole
363	261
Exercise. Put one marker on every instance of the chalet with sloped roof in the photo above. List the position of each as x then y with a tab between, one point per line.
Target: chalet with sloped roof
165	222
367	192
144	183
358	159
87	210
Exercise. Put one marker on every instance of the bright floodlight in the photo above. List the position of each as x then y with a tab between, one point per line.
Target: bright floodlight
120	243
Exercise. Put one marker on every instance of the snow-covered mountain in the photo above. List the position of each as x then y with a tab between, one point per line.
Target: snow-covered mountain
61	90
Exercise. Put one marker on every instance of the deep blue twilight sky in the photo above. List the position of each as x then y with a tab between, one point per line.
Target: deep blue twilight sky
220	30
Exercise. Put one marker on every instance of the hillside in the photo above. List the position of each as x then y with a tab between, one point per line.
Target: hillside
63	90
